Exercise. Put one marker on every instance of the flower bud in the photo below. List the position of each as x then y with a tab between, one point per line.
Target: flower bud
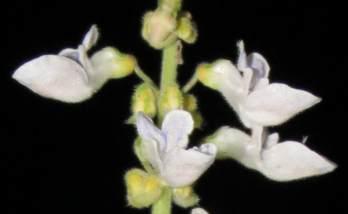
142	189
187	30
190	102
158	29
170	99
207	76
110	60
185	197
197	118
170	6
144	100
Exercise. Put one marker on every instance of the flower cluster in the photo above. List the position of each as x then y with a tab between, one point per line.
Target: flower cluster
170	168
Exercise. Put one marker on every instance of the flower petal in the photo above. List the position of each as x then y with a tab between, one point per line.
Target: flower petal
260	67
95	78
253	63
177	125
242	63
55	77
70	53
229	75
91	37
292	160
88	42
261	83
276	103
199	210
184	167
153	140
232	85
271	140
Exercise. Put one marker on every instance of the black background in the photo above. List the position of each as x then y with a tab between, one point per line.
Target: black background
62	158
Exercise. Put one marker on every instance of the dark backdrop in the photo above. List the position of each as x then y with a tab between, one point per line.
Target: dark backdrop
62	158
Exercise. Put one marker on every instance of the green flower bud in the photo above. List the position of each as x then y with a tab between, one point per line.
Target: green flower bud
190	102
197	118
170	6
144	100
110	60
142	189
158	29
185	197
191	105
187	30
170	99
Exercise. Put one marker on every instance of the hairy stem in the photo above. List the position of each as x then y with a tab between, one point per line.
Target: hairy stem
170	61
168	77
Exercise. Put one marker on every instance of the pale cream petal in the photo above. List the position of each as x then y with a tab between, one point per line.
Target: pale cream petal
70	53
275	104
230	142
184	167
55	77
153	140
91	37
292	160
199	210
177	125
260	68
271	140
242	62
229	75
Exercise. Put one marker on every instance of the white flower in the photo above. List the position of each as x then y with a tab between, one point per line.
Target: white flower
285	161
199	210
68	76
255	100
166	149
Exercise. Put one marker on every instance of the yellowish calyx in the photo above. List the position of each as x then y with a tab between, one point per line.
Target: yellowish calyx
112	61
143	189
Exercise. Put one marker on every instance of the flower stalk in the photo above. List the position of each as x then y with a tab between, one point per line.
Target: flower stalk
141	74
164	204
191	83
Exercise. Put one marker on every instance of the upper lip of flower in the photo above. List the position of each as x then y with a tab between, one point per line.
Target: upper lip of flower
254	65
166	149
79	55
